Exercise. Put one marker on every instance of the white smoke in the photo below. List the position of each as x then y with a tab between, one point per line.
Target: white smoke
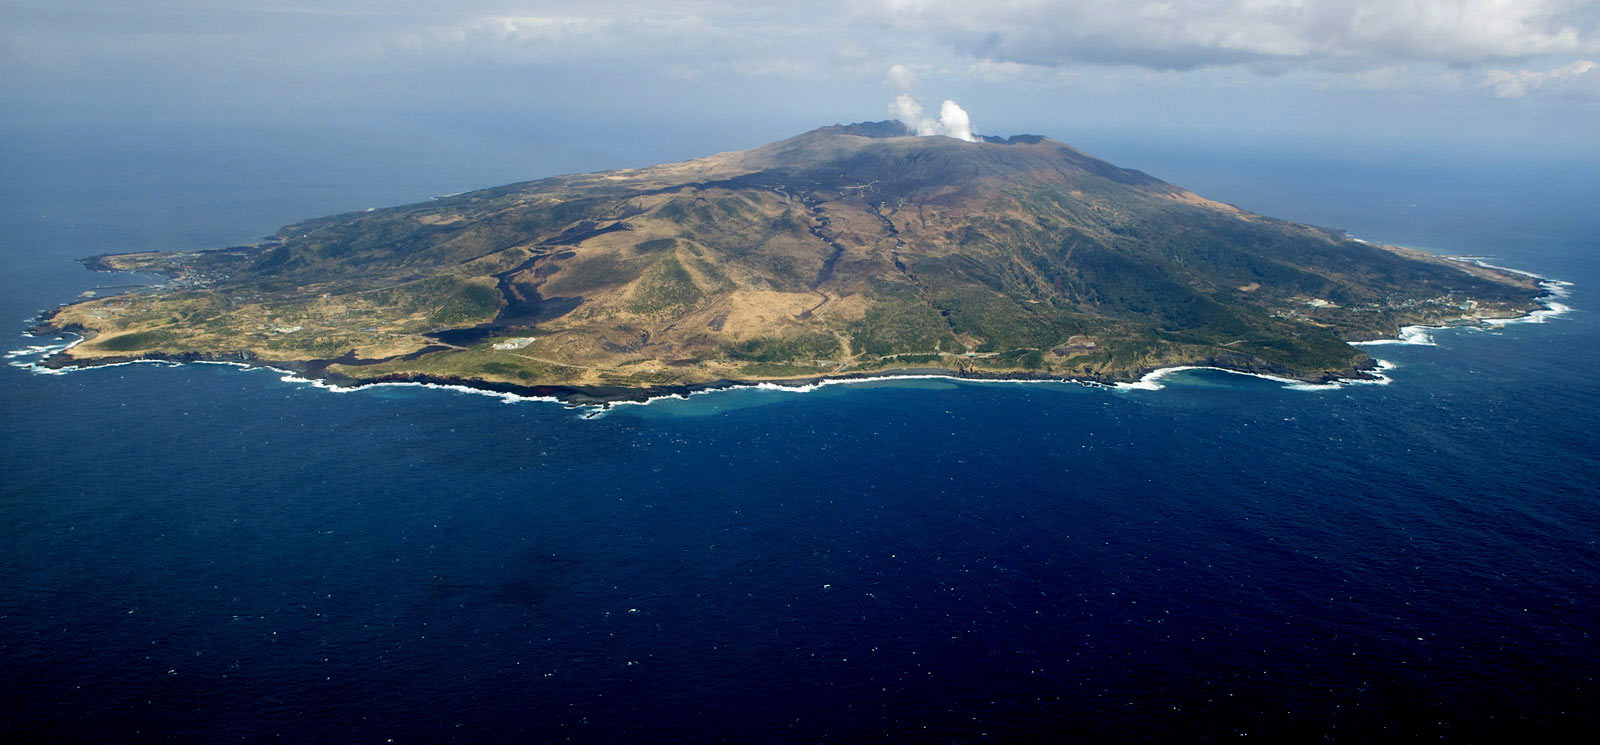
907	110
953	120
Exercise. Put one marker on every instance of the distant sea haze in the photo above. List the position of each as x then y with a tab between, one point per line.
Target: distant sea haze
199	553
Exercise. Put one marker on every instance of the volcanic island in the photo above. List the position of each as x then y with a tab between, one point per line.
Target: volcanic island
847	251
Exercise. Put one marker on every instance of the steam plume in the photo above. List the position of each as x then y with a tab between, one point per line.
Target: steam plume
953	120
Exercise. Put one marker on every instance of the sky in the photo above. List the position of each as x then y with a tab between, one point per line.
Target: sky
628	83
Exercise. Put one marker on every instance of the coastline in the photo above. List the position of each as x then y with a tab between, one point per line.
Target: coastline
315	373
599	399
1554	290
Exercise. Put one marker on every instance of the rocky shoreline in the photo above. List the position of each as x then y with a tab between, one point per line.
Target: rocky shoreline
317	370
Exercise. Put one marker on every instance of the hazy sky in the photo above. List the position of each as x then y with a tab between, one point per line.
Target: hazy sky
1501	75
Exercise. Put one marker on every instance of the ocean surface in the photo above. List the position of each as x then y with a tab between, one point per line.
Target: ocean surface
207	554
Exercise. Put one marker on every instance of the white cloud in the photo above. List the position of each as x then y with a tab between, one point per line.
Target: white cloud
782	68
1333	34
1397	47
902	78
1579	78
556	38
1405	80
992	71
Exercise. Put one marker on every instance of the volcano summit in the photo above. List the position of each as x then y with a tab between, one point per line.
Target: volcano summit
847	250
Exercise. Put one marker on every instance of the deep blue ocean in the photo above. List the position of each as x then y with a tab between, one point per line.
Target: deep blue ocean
205	554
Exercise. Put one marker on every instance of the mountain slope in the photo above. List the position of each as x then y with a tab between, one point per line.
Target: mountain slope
847	249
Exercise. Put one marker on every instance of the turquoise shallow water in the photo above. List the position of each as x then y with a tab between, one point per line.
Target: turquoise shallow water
200	553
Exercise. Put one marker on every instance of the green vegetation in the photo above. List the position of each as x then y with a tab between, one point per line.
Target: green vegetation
664	288
805	347
899	324
472	303
136	341
780	370
476	363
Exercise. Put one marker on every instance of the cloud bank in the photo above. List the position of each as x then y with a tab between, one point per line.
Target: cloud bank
538	38
1271	35
1334	66
1579	78
1490	49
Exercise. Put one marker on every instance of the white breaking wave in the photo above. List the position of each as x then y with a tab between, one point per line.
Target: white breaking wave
39	352
1152	380
818	385
1410	335
289	376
